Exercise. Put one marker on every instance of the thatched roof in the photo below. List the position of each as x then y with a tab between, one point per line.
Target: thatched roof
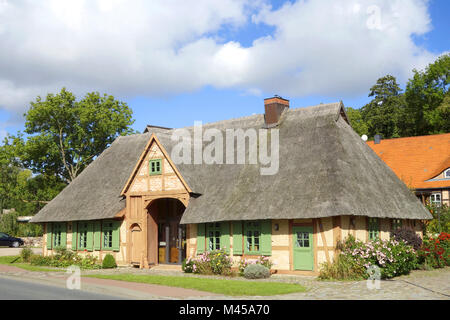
325	170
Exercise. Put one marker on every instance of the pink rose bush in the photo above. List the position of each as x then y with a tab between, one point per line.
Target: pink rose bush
393	257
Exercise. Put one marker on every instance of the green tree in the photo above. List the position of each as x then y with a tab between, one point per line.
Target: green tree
66	135
356	121
383	114
427	99
8	176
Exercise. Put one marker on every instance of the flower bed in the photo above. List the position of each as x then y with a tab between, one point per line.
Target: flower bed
218	262
64	258
213	262
435	252
262	260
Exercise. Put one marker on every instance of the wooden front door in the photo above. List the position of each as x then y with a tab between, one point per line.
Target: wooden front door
303	248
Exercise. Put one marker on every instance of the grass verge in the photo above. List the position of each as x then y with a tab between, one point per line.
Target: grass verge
219	286
16	261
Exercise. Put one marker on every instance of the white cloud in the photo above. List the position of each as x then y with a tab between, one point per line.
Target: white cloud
149	48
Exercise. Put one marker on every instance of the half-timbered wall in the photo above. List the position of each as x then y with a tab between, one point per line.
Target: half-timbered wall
143	189
119	255
327	233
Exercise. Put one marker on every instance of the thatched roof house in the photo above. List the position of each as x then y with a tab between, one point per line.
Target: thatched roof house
328	180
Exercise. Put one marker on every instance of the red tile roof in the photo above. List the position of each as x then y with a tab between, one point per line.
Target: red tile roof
417	159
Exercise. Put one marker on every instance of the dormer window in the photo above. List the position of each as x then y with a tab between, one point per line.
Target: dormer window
155	167
447	174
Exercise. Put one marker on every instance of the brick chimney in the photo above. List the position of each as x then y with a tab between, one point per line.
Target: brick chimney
274	107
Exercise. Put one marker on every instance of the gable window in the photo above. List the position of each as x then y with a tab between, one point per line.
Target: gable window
435	199
447	173
82	235
374	229
57	235
107	229
253	237
155	167
213	234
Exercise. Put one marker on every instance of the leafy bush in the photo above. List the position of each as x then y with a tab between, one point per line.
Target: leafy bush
9	225
435	252
213	262
343	267
393	257
408	235
109	262
256	271
440	222
262	260
188	265
26	254
39	260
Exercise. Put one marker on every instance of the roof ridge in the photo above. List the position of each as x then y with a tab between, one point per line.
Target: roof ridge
254	116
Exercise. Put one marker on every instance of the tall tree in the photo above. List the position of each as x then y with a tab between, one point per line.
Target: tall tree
382	115
357	122
427	112
66	135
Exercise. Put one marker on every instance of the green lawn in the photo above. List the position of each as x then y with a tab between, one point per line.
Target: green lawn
16	261
219	286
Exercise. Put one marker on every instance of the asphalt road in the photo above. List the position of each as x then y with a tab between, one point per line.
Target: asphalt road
20	290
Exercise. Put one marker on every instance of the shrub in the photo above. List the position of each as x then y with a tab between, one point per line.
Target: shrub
408	235
435	252
262	260
26	254
39	260
440	222
256	271
393	257
109	262
188	265
213	262
343	267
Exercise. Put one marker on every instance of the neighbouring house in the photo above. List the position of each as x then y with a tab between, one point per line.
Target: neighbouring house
136	202
422	163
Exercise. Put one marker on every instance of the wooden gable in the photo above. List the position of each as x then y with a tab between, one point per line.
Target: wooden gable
168	180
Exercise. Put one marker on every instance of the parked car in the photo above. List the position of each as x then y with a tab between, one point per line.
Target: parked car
7	241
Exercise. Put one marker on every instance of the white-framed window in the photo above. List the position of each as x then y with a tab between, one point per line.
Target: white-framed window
447	173
436	198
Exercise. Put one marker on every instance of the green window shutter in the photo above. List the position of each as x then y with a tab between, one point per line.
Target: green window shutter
49	236
97	235
237	238
200	238
266	237
64	235
116	236
225	236
90	237
74	236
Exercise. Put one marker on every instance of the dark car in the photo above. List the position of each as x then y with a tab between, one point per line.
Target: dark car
8	241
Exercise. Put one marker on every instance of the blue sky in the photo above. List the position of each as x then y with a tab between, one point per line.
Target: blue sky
218	65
